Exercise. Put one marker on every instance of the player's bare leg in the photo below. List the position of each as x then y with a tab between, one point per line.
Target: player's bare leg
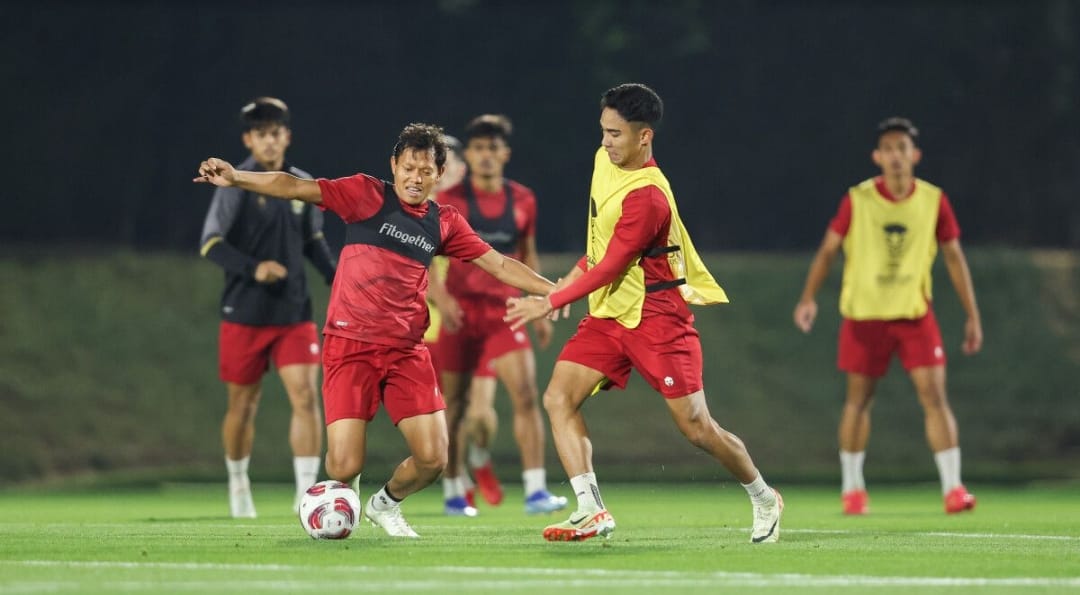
427	440
238	435
455	387
305	426
346	447
853	435
479	428
942	435
517	371
691	415
570	384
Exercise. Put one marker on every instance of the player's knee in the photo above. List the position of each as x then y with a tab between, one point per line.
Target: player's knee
343	467
524	397
556	402
304	398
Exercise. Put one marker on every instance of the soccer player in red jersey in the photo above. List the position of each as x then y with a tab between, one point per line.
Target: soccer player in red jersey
890	228
475	343
640	272
266	305
373	349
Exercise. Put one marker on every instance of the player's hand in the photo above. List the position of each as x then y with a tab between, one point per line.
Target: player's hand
973	336
563	312
217	172
526	309
544	331
805	313
453	317
270	271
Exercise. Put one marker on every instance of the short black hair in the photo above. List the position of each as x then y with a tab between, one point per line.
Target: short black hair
635	102
489	126
897	123
422	137
262	112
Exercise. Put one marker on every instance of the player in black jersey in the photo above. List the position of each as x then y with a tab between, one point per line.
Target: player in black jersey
266	306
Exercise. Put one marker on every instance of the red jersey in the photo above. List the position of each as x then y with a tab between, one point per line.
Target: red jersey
948	228
466	281
378	296
643	225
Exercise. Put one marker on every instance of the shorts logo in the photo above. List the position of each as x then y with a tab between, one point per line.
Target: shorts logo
669	381
341	323
519	337
314	349
939	352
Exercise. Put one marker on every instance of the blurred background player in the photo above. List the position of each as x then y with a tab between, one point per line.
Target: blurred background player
475	345
374	353
890	228
266	307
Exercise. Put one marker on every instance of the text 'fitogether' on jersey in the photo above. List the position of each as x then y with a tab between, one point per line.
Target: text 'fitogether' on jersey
379	291
889	248
502	219
244	228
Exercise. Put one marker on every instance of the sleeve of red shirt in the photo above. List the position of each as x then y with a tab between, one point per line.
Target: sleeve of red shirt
645	211
458	238
948	228
354	198
841	221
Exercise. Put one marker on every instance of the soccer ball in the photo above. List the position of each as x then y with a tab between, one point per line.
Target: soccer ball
329	510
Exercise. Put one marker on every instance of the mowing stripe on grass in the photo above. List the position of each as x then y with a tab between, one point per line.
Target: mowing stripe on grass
551	577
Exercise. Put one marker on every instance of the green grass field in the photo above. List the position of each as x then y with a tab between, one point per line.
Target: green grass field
693	538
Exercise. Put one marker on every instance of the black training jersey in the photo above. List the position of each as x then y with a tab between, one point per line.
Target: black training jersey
244	228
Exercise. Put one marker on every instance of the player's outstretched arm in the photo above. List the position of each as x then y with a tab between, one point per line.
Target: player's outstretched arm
806	309
277	184
960	275
513	273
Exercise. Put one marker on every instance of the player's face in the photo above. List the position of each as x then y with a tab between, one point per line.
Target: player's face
415	175
896	154
268	144
624	142
487	156
454	172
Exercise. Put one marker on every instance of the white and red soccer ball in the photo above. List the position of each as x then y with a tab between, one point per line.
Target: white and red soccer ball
329	510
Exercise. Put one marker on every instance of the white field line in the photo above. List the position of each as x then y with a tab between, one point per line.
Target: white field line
524	577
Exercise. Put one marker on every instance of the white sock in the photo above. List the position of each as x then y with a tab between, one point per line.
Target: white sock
534	480
587	491
760	492
467	482
355	484
851	471
948	465
381	500
238	470
452	487
306	470
478	456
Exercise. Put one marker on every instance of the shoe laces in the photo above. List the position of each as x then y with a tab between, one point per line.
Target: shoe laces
396	521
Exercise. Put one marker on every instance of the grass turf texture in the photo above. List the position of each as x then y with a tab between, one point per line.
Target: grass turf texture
690	537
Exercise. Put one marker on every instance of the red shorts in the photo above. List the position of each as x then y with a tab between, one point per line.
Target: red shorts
867	346
357	376
245	351
483	337
665	350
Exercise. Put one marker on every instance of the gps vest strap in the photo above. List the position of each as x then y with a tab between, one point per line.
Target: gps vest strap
395	230
657	252
500	232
